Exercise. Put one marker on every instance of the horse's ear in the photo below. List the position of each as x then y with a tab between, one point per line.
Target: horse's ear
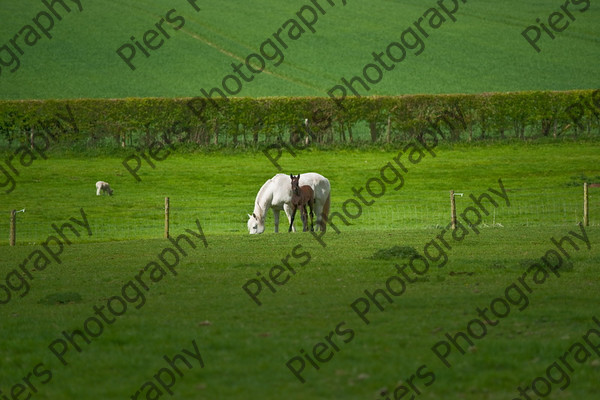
291	176
249	216
298	176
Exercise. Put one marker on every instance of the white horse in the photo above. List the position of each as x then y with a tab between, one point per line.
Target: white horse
101	187
276	193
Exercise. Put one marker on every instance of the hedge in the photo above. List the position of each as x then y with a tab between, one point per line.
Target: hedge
249	121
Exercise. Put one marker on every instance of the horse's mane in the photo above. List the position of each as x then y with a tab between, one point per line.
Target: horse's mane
259	196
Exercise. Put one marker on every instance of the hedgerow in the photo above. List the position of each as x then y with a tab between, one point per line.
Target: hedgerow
257	121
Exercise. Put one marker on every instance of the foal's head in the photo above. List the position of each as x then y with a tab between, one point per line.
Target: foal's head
296	184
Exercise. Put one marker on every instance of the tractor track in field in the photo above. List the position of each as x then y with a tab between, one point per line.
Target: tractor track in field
222	50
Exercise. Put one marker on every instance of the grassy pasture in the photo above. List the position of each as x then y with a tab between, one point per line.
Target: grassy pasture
245	347
483	51
545	183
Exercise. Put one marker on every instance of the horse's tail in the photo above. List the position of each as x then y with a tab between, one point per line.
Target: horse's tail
325	212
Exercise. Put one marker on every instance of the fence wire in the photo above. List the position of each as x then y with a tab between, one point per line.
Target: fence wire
527	208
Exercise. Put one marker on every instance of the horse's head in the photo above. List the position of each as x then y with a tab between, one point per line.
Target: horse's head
255	224
295	184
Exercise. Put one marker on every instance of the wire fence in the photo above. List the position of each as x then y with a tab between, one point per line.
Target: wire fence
527	208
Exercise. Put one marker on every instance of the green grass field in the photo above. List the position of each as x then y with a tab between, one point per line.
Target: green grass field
545	180
102	312
244	347
483	51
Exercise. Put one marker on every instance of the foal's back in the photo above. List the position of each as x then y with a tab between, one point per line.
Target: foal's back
307	194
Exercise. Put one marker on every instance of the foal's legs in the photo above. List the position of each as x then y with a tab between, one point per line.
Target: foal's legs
292	218
304	218
288	211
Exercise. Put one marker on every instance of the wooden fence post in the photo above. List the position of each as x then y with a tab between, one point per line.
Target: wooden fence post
389	130
586	217
166	217
453	209
13	227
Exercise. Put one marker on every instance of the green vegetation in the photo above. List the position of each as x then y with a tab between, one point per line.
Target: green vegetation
138	296
483	51
245	347
544	181
257	123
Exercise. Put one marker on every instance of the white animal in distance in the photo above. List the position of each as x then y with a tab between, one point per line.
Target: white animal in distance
103	187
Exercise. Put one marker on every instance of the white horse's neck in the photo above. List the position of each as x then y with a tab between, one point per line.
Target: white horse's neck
263	200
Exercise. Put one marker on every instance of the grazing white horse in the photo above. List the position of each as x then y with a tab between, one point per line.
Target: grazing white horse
101	187
276	193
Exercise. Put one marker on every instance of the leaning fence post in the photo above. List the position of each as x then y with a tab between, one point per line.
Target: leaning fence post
586	217
13	227
453	209
166	217
389	130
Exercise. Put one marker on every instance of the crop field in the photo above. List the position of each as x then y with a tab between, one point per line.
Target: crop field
482	51
393	301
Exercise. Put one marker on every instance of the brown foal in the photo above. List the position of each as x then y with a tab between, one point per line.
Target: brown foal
301	196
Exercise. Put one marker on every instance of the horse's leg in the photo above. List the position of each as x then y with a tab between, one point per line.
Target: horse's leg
304	219
318	209
275	219
292	219
311	205
288	211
